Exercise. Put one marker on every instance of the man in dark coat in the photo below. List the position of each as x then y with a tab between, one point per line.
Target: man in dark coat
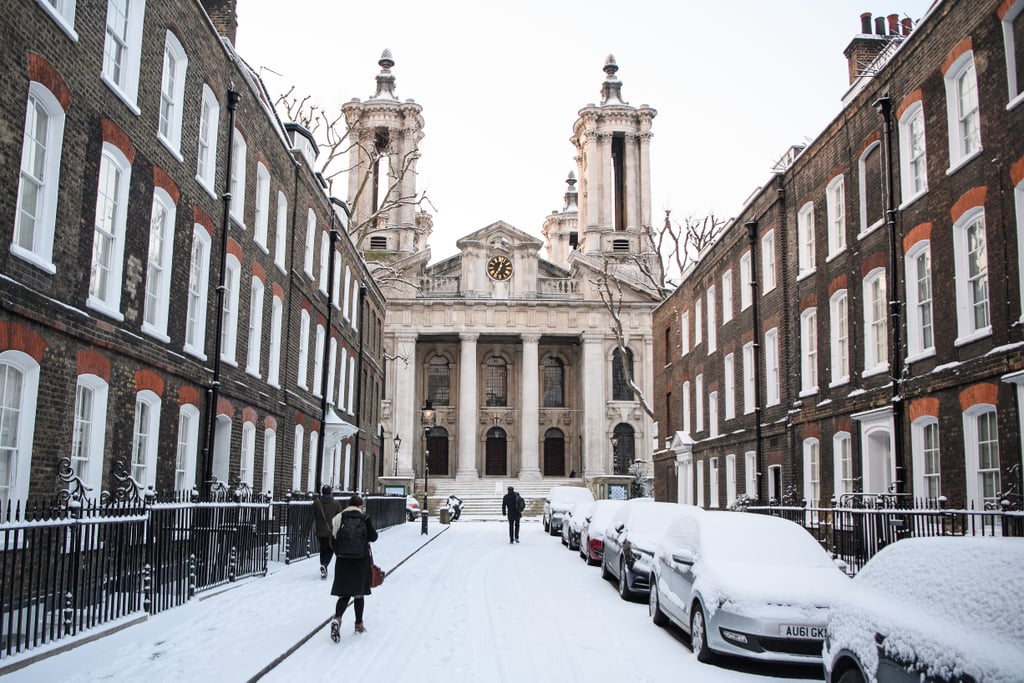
324	509
353	533
511	505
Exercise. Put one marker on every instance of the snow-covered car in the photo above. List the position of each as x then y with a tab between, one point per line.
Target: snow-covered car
558	503
573	523
932	609
592	530
745	585
630	540
412	508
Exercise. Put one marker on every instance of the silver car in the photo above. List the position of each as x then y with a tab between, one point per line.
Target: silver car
630	540
746	585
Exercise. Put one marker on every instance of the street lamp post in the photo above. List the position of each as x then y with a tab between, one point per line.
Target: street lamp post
398	444
427	420
615	454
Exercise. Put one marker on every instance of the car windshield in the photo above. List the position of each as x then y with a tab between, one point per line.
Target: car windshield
746	536
574	494
653	519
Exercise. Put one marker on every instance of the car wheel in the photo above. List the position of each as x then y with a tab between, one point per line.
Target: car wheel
657	616
851	675
699	636
624	591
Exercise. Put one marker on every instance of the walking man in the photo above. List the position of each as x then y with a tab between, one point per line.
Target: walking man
512	504
324	509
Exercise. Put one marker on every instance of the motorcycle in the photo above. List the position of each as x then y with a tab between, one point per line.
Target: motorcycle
454	507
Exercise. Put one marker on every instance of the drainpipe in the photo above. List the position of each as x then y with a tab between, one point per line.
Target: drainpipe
213	393
884	106
752	230
359	381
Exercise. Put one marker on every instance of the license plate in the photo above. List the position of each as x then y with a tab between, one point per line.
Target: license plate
797	631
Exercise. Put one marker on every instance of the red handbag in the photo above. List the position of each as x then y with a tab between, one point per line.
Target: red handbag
376	573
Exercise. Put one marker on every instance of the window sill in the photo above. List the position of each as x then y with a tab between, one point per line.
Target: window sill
174	149
203	184
877	370
195	353
963	161
920	355
907	202
59	18
281	267
129	102
155	333
870	229
33	258
804	274
1015	102
253	372
804	393
230	360
101	306
839	382
833	256
973	336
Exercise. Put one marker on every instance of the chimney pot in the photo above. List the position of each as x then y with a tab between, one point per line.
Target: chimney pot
894	24
908	24
865	22
880	26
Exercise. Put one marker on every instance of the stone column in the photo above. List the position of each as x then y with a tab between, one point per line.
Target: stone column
632	185
406	412
645	178
607	219
593	430
468	406
530	410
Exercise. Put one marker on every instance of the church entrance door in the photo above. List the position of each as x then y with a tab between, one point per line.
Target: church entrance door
496	453
554	453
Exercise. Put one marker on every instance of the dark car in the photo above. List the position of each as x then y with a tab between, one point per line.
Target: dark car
574	523
560	500
630	540
937	609
592	529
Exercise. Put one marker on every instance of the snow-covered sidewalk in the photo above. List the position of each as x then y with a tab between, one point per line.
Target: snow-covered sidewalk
265	616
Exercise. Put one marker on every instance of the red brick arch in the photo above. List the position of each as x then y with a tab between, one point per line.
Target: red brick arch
924	407
978	394
189	396
42	71
146	379
90	362
20	337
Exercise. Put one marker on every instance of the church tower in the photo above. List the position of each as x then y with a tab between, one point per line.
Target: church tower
385	136
612	142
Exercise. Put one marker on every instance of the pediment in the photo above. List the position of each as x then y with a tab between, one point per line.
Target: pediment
499	235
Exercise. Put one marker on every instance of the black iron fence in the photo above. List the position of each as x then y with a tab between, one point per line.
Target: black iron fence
859	527
69	566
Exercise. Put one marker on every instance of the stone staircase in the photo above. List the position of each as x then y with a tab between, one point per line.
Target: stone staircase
481	499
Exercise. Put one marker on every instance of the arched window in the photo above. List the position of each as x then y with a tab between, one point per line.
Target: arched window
496	381
19	383
438	381
554	383
623	448
622	371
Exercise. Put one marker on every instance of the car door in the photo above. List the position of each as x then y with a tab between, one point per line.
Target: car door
613	536
678	572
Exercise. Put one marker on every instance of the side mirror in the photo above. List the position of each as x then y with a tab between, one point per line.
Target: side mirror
619	527
683	557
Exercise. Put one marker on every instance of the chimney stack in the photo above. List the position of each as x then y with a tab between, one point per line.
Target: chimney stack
865	23
224	17
867	45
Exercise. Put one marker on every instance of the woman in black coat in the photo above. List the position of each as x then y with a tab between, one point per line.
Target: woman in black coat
352	537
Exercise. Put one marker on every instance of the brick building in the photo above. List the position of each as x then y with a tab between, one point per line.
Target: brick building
144	161
888	247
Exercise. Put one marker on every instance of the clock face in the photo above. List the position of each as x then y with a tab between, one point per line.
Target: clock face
499	267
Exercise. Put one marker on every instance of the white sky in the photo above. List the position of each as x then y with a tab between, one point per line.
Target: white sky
735	84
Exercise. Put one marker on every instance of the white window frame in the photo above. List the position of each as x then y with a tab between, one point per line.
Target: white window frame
19	424
700	483
913	154
237	178
842	465
919	447
876	325
972	437
698	392
206	152
746	295
307	261
247	454
969	284
865	228
62	12
839	337
261	219
342	376
698	321
768	279
172	95
750	474
771	366
269	461
686	407
40	169
772	493
336	284
187	447
198	288
255	340
809	351
749	399
684	328
835	207
920	320
1014	88
730	479
229	326
318	359
123	33
962	79
297	459
812	472
314	439
713	501
281	232
712	323
157	298
332	367
88	434
729	381
144	454
806	252
351	390
1018	200
727	296
347	298
107	299
304	330
324	255
713	414
274	352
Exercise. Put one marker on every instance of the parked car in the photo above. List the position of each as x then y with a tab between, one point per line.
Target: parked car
558	503
630	540
931	609
592	529
573	523
412	508
746	585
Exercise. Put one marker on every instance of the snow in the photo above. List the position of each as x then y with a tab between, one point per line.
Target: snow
462	604
962	615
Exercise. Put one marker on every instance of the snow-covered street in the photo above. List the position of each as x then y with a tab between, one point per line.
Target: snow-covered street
466	606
